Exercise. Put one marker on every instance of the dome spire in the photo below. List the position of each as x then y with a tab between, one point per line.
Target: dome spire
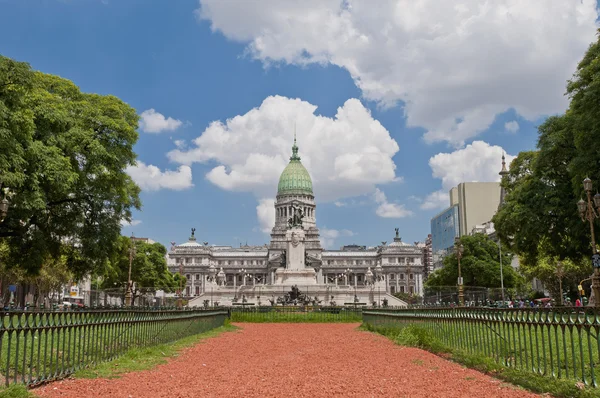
295	147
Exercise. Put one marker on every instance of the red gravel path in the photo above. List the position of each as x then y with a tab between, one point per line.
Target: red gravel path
295	360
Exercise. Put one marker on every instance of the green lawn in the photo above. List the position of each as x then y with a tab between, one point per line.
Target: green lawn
38	347
567	348
295	315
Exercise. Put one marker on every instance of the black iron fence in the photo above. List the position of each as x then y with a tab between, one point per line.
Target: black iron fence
296	314
557	342
36	347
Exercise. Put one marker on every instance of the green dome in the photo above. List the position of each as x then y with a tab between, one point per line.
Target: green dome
295	178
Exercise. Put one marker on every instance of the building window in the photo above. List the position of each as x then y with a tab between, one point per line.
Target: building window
220	262
412	289
401	289
392	289
187	276
400	260
197	277
197	290
392	277
401	277
360	277
188	260
187	291
392	259
411	277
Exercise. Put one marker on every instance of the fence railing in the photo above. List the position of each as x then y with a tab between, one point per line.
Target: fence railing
557	342
296	314
36	347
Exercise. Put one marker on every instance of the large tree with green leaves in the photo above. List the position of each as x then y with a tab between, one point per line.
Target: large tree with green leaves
480	266
63	155
539	220
149	270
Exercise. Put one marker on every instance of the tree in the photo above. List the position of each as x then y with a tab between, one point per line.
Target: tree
149	269
63	155
539	220
480	266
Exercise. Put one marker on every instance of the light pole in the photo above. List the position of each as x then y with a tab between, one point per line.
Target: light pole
459	253
587	213
4	203
129	284
501	274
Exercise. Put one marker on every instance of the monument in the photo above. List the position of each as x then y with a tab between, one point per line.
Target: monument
295	270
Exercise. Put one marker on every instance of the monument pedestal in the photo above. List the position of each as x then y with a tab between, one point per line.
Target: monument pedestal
292	277
295	272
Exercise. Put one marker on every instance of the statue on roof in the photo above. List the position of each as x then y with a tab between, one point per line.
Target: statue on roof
297	215
397	232
193	231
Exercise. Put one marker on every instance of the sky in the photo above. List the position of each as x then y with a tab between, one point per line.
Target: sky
394	101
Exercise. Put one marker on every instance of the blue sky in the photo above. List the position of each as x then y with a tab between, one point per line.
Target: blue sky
451	108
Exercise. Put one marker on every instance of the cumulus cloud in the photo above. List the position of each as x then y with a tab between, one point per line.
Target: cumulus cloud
387	209
133	223
454	65
436	200
347	155
477	162
511	126
180	144
328	236
154	122
151	178
265	213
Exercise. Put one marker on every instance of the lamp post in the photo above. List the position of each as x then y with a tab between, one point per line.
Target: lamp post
129	284
588	213
459	253
4	201
501	273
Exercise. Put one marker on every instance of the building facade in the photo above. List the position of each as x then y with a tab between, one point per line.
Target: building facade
386	268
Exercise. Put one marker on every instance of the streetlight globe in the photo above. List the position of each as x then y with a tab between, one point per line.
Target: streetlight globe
587	184
3	209
597	200
581	206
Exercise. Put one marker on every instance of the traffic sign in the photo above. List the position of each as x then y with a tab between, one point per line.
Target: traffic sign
596	260
12	288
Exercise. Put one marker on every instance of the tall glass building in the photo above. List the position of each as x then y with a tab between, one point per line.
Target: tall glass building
444	228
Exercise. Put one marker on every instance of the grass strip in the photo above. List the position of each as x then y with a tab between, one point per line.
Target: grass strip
294	317
16	391
414	336
139	359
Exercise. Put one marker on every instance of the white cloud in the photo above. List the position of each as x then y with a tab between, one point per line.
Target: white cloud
436	200
455	65
180	144
386	209
265	212
346	155
511	126
477	162
154	122
328	236
151	178
133	223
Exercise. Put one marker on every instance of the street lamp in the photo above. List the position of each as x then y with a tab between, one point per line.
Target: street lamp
459	253
588	213
129	284
4	203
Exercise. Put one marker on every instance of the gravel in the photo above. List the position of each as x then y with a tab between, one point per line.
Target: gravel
295	360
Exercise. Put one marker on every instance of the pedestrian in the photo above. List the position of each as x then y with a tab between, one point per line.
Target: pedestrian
577	303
